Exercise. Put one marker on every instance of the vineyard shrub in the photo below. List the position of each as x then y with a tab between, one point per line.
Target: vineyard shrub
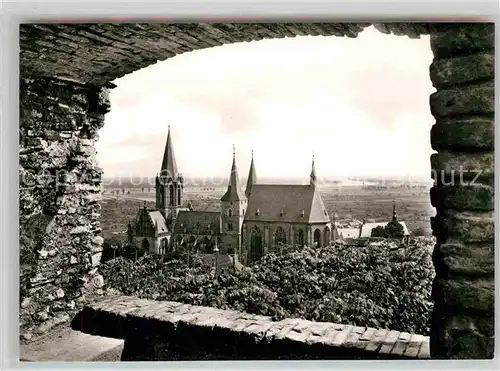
371	286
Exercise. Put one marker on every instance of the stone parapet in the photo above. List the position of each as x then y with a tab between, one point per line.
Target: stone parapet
155	330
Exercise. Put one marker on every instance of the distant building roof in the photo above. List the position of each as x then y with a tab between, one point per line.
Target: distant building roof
366	229
198	222
286	203
348	232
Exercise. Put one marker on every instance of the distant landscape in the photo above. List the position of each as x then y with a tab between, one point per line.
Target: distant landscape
346	203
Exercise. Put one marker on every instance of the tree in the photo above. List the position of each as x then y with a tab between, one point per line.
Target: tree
379	231
394	229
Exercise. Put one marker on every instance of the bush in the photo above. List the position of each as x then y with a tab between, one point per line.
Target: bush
364	286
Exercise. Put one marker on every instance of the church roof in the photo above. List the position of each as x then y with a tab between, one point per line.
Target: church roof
169	165
198	222
158	221
233	192
366	229
154	218
286	203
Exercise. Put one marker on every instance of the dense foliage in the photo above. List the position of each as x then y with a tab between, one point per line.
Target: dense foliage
375	285
393	229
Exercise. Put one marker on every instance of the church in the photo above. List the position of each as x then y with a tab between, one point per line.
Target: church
264	218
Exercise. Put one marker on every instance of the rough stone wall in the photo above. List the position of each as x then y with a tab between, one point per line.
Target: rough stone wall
463	195
98	53
156	331
59	194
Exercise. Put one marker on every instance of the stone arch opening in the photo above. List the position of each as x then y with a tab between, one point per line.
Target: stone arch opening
462	72
326	236
300	237
317	238
145	244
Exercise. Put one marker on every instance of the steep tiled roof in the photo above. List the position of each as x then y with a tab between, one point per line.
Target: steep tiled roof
152	218
234	192
169	165
198	222
286	202
366	229
158	221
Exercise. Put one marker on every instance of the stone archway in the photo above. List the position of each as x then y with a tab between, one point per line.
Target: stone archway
326	236
64	98
317	238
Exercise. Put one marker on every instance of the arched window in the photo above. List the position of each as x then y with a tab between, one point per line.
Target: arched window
326	237
145	244
230	212
317	238
279	237
256	249
171	194
179	198
300	237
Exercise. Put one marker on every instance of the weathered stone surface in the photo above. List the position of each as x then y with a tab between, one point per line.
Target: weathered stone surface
160	331
467	227
467	260
462	40
458	168
463	135
474	197
473	100
100	53
466	295
56	121
463	69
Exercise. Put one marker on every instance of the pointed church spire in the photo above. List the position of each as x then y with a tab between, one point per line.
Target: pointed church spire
312	177
169	165
233	192
394	218
252	177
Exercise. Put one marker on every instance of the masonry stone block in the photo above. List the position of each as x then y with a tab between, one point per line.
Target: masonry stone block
463	134
468	100
473	197
459	259
461	168
463	40
461	70
466	294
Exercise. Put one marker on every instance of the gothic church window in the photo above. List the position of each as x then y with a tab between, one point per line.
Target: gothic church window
279	237
229	226
230	212
171	194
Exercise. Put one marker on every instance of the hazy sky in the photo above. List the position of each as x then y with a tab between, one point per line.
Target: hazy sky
361	105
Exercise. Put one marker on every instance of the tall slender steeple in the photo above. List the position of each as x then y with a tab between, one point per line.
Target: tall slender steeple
312	177
252	178
169	183
233	192
394	218
169	165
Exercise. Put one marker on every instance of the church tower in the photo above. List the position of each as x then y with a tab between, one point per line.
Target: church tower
169	184
252	178
233	206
